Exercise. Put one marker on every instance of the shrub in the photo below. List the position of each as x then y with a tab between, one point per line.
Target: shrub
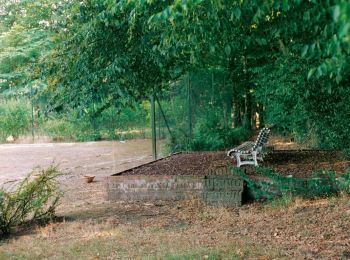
209	134
209	138
35	199
14	118
59	129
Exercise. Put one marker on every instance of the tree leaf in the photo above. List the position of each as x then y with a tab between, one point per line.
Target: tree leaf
336	13
304	51
311	72
228	50
237	13
285	5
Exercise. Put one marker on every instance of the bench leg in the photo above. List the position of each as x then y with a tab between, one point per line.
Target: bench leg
254	154
238	159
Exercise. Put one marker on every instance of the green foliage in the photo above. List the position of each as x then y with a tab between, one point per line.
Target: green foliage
285	60
59	129
20	49
317	185
258	190
344	182
211	137
35	199
205	97
131	122
281	202
208	138
322	184
104	58
28	33
14	118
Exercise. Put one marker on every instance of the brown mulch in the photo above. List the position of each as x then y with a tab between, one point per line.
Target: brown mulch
303	163
298	163
195	163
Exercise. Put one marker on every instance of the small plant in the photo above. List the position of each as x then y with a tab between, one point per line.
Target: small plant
281	202
322	184
319	184
35	199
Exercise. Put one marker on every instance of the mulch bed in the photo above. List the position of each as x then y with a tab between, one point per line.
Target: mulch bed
299	163
195	163
302	163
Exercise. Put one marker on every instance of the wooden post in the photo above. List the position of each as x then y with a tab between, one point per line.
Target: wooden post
153	126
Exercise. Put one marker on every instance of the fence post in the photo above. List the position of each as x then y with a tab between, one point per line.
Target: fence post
189	105
32	108
153	126
164	117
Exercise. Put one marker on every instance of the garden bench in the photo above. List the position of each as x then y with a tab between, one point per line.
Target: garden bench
250	152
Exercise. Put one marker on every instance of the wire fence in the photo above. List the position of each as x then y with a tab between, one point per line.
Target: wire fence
196	112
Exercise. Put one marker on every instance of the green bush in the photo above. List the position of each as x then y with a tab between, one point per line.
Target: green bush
59	129
15	118
35	199
207	138
86	136
209	133
217	139
110	123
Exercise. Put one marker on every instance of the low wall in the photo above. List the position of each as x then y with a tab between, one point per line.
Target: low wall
225	190
213	189
141	187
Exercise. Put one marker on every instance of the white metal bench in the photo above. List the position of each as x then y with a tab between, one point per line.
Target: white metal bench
250	152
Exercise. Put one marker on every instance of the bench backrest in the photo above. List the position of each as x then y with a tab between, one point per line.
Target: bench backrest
262	138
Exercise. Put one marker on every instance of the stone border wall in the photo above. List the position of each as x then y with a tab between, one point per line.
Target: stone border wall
149	188
225	190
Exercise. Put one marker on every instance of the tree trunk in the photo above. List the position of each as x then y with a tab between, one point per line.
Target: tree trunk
237	120
260	109
224	107
248	110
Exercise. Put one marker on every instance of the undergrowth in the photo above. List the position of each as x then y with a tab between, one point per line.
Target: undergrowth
207	136
14	118
276	185
35	199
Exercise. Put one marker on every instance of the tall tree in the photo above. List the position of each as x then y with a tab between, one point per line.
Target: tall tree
289	56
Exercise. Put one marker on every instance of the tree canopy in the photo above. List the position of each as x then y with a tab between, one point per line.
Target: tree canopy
287	60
